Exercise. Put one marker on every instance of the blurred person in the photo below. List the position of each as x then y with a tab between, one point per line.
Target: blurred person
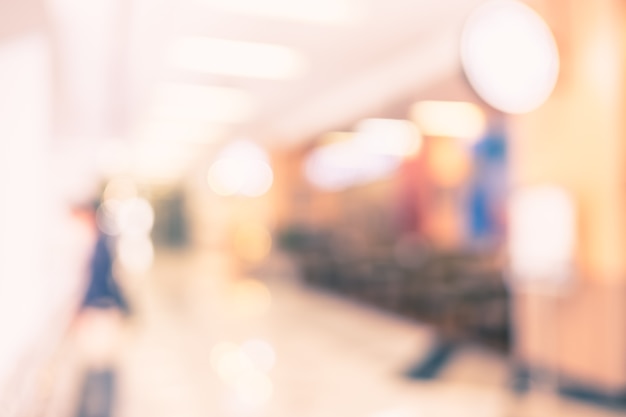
103	291
99	322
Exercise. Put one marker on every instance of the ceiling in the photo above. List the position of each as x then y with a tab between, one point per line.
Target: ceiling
355	68
360	58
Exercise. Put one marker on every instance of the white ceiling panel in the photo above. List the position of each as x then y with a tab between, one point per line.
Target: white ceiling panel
354	64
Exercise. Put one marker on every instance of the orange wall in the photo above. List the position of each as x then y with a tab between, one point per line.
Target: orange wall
576	140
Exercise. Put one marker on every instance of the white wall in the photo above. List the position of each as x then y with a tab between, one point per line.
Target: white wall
41	256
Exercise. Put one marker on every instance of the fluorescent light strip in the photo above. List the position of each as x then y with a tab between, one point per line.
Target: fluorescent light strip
235	58
317	11
203	103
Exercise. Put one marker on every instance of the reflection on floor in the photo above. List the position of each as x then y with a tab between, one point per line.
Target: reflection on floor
209	339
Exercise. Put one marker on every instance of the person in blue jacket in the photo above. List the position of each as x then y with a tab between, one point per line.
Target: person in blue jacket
103	292
99	312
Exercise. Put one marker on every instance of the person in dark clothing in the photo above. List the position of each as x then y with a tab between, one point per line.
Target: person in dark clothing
99	323
103	292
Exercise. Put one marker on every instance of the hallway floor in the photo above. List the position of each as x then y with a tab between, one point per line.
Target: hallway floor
211	339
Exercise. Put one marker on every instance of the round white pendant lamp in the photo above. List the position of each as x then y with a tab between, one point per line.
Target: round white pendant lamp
510	56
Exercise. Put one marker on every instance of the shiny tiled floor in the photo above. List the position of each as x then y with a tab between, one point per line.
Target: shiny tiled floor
332	358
